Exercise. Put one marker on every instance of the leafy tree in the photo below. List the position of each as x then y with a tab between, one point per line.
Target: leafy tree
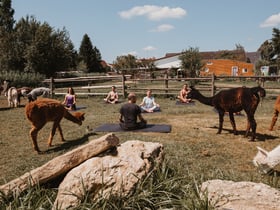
125	62
276	41
47	51
90	55
266	51
270	51
191	62
6	36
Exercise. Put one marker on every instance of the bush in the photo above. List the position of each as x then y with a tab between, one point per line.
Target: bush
20	79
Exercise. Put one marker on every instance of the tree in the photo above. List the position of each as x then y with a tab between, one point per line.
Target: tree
45	51
191	62
6	34
276	41
90	55
266	51
126	64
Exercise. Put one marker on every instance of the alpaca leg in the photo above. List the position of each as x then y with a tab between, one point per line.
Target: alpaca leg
254	128
221	121
251	124
34	133
232	121
274	119
55	125
60	132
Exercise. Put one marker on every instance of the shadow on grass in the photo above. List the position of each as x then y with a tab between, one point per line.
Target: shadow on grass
4	108
259	136
68	144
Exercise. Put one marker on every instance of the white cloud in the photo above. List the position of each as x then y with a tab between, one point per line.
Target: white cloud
163	28
272	21
149	48
153	12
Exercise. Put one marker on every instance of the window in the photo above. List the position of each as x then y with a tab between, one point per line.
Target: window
244	70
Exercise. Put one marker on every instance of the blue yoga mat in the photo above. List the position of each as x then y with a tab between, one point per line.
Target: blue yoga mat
111	127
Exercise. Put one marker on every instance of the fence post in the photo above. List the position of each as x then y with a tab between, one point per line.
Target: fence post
123	86
166	82
52	86
213	85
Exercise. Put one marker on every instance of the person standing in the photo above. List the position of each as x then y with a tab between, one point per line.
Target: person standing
130	113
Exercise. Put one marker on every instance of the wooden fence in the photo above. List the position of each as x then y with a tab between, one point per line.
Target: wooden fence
101	85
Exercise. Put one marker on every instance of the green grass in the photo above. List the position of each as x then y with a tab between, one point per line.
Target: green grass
194	153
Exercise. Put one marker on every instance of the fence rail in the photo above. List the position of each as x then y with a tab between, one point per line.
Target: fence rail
100	85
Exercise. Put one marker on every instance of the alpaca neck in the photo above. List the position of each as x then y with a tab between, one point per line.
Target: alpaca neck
203	99
72	118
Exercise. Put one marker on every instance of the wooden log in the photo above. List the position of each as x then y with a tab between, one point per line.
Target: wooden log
60	165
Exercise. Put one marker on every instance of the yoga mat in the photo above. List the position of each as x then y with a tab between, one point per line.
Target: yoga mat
192	103
111	127
78	108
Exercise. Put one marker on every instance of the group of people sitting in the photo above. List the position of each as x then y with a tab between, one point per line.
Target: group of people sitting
129	112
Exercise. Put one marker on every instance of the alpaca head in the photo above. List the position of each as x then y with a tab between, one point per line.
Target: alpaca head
80	116
192	92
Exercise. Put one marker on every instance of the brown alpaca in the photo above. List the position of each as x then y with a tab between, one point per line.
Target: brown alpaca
275	113
45	110
233	100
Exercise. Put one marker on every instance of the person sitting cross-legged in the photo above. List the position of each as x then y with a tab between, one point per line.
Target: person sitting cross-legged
129	114
183	94
112	96
70	99
148	103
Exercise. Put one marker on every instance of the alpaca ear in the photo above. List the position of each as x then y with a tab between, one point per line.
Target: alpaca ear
264	152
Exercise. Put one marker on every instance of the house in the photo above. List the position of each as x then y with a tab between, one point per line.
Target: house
230	63
226	67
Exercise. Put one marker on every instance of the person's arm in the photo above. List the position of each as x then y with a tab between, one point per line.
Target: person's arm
74	99
121	119
64	99
141	118
143	102
108	96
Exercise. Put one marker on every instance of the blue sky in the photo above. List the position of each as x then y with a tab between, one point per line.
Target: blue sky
156	27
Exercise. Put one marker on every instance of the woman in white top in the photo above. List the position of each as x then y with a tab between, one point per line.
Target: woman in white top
148	104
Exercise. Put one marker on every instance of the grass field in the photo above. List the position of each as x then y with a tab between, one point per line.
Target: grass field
193	149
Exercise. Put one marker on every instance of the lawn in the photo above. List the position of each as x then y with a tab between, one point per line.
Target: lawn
193	149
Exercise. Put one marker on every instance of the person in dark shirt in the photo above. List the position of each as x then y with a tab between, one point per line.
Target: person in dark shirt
129	113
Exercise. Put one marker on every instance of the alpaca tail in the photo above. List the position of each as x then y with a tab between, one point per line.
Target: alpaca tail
76	118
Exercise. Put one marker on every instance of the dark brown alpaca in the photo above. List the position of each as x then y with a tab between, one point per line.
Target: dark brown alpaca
45	110
233	100
275	113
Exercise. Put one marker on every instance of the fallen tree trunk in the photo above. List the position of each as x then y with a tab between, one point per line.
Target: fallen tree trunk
60	165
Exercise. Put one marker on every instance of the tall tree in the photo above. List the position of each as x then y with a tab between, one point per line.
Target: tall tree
90	55
46	51
266	51
276	41
191	62
6	34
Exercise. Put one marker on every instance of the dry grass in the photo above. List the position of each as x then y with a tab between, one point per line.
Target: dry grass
193	147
